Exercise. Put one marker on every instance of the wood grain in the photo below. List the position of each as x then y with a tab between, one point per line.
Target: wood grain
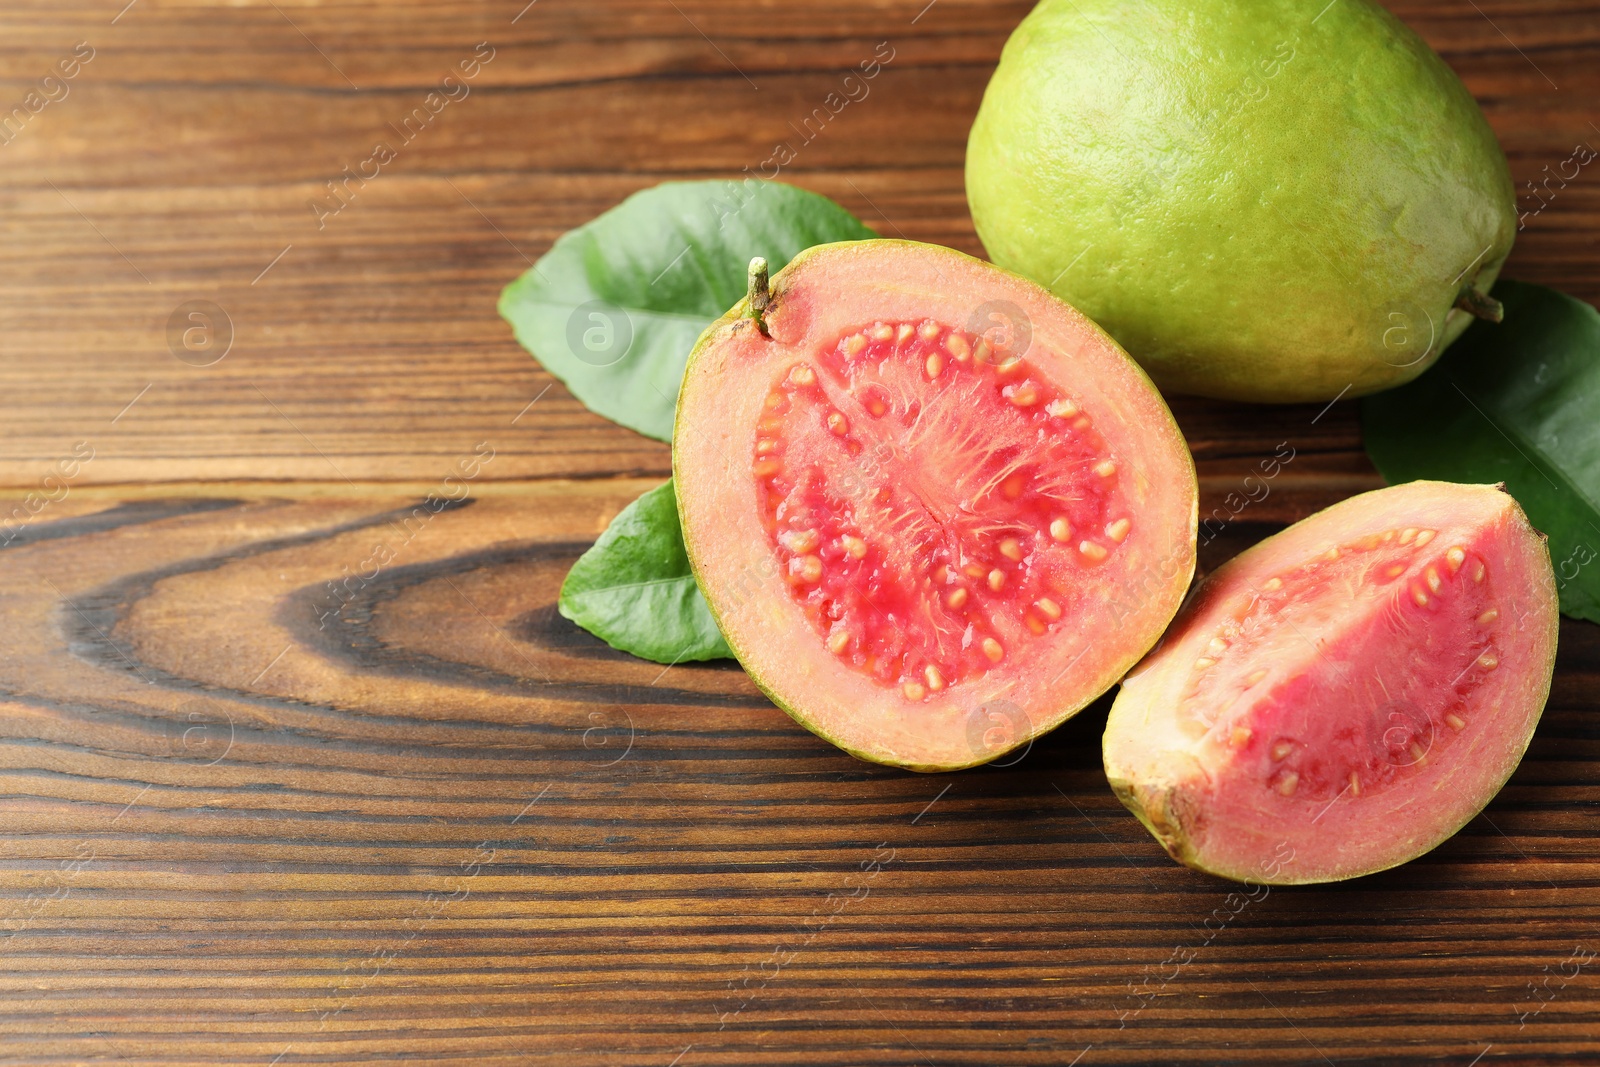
249	818
183	161
427	817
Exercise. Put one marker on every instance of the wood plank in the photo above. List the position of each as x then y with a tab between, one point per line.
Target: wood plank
183	160
246	817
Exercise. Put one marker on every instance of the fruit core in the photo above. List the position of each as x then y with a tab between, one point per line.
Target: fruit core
932	501
1373	701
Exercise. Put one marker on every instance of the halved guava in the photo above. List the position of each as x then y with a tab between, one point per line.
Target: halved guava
934	510
1347	694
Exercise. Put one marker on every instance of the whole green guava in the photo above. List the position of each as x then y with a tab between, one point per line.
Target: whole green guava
1280	200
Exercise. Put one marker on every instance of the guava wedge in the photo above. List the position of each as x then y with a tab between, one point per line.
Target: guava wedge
1280	200
934	510
1346	695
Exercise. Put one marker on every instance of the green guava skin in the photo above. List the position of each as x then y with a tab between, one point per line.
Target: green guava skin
1257	200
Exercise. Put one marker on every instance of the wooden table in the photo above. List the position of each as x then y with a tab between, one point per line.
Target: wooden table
446	826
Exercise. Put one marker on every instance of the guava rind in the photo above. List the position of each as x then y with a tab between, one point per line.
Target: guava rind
1210	806
1259	201
764	629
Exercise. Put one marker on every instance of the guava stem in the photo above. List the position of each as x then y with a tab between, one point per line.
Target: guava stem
1481	304
760	292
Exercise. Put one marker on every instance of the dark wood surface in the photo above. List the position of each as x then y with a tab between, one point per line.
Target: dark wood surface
245	821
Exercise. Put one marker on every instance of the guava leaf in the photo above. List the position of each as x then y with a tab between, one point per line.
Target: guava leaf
633	589
615	306
1519	403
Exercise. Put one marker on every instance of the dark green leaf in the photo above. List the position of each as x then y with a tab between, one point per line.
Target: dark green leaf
615	306
634	589
1517	403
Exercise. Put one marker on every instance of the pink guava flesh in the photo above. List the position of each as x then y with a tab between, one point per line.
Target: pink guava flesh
1346	695
934	510
933	501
